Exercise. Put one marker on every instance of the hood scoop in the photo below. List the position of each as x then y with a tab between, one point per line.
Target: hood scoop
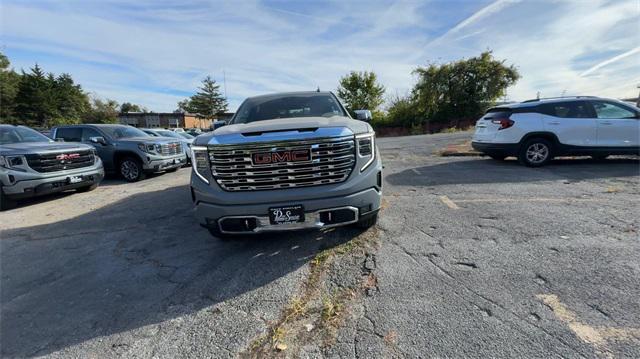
260	133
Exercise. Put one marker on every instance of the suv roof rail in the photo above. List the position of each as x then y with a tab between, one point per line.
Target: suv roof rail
555	98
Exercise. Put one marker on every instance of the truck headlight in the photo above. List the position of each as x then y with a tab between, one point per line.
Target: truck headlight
366	148
149	148
200	162
11	161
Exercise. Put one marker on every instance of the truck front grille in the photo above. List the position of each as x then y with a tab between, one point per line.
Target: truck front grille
172	148
52	162
332	160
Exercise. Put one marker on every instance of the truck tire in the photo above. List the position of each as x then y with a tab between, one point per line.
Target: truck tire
6	202
131	170
87	188
536	152
367	222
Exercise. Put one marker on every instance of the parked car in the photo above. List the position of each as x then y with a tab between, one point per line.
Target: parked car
287	161
126	150
183	137
32	164
535	131
194	132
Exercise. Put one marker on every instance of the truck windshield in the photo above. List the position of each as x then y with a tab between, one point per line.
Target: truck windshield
170	134
287	106
17	134
118	132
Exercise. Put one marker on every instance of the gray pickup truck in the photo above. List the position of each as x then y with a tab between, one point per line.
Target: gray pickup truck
126	150
287	161
31	164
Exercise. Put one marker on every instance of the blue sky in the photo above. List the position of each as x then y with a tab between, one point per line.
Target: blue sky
155	53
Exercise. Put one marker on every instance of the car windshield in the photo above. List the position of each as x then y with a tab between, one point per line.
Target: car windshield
118	132
287	106
18	134
169	134
186	135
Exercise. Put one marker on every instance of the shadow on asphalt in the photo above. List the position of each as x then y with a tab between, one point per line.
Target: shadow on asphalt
476	171
139	261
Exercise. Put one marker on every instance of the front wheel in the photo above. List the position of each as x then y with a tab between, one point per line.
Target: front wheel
131	169
536	152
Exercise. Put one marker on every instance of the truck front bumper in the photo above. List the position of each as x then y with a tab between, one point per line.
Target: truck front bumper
26	185
318	213
156	164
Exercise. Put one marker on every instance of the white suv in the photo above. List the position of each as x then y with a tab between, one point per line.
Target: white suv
537	130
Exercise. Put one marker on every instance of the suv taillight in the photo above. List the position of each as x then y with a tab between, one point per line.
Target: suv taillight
503	122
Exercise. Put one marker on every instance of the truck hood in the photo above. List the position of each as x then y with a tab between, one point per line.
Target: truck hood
24	148
283	124
147	140
285	128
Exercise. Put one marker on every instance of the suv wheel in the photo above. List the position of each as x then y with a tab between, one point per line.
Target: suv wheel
6	202
131	169
536	152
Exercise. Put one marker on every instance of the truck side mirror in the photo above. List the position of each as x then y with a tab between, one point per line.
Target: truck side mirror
363	115
98	139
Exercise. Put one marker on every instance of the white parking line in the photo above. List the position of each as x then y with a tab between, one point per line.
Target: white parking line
449	202
416	171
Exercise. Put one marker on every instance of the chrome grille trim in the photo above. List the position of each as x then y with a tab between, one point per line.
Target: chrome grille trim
332	161
172	148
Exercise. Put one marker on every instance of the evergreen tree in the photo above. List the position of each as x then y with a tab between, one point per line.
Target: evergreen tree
33	99
9	82
208	102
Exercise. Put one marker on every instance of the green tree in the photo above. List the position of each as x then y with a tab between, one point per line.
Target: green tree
9	82
102	112
70	101
131	107
402	112
34	100
461	89
208	102
361	91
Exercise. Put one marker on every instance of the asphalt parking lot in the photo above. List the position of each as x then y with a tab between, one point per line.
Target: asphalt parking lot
472	258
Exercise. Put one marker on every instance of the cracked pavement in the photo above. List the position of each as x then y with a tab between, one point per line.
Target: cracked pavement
125	271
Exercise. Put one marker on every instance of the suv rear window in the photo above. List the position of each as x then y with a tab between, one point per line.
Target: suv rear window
573	109
70	134
498	113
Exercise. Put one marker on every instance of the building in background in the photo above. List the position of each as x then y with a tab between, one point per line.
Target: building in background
164	120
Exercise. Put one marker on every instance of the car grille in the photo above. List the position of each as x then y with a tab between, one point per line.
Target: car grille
52	162
172	148
332	161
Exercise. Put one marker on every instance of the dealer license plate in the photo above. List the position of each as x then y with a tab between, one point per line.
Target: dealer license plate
286	215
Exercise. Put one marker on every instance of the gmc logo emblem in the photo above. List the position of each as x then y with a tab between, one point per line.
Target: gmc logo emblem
67	156
264	158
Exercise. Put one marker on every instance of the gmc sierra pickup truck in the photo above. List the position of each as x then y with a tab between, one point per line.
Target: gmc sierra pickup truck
287	161
126	150
31	164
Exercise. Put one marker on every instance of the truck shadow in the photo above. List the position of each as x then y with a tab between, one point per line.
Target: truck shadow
479	171
131	264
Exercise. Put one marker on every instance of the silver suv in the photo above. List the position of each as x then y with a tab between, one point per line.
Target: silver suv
126	150
285	162
31	164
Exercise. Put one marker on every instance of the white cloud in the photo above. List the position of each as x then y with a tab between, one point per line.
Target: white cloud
151	53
